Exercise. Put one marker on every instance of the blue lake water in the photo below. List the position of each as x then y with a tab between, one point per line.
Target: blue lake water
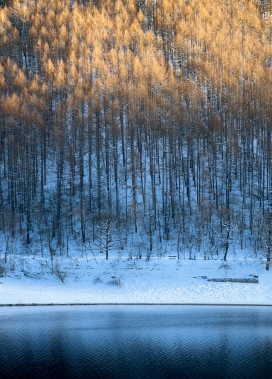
136	342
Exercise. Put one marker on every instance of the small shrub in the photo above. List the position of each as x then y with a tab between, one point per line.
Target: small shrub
116	281
97	280
130	256
12	264
2	270
224	265
61	275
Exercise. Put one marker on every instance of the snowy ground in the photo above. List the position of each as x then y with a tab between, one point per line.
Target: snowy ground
157	281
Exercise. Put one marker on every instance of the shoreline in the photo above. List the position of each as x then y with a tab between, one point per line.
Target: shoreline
134	304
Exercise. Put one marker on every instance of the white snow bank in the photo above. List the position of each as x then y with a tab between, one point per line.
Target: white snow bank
157	281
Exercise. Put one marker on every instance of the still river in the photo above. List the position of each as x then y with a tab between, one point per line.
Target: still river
136	342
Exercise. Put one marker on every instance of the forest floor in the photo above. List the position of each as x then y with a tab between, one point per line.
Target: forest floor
159	280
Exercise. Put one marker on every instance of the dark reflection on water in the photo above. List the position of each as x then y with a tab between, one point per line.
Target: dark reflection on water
136	342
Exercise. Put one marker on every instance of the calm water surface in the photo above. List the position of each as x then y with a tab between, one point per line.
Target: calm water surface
136	342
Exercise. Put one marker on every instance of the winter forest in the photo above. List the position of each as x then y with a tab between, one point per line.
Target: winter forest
136	123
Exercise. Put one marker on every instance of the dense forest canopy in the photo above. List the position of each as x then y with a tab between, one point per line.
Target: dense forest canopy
149	120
